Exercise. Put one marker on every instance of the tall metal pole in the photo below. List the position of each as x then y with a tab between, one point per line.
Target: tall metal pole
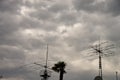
100	58
45	74
102	51
116	75
47	55
100	65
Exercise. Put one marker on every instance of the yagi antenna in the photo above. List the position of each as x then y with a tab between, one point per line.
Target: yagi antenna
102	49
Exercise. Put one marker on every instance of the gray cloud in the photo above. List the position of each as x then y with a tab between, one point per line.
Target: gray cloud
5	6
99	6
58	7
69	27
84	5
113	7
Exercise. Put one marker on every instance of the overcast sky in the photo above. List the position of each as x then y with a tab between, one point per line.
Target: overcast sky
70	27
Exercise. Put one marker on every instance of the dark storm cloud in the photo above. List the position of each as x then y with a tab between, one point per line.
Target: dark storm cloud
114	7
58	7
10	5
82	4
103	6
87	5
67	18
11	55
32	23
8	23
9	30
15	53
9	20
42	14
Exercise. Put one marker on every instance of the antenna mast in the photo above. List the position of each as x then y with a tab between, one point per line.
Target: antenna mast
102	50
45	74
99	51
47	56
116	75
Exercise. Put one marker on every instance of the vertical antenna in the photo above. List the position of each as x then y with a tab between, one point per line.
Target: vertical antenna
46	55
116	75
100	58
45	74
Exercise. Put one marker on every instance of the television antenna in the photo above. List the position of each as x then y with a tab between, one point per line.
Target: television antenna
102	49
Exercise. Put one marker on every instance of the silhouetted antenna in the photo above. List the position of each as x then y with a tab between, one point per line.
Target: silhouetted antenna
47	56
102	49
116	75
45	74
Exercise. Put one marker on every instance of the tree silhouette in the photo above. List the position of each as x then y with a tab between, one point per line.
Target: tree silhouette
60	68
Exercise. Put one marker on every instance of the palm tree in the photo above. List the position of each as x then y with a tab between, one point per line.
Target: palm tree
60	68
